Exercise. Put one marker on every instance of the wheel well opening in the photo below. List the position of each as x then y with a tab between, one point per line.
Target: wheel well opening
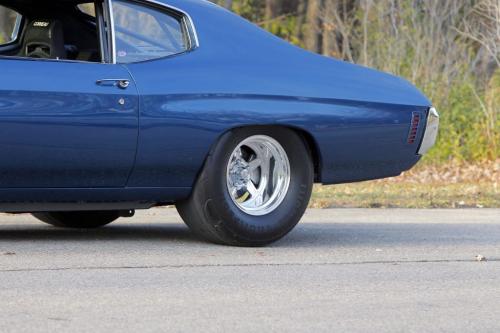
310	144
313	149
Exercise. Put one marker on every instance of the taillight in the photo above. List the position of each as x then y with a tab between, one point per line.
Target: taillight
415	122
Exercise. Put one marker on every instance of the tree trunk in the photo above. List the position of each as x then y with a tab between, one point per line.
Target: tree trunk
330	43
313	31
270	12
301	19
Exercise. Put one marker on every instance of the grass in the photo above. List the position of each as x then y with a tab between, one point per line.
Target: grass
450	185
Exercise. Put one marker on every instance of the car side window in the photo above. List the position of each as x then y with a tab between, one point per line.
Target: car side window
9	25
87	8
145	33
59	33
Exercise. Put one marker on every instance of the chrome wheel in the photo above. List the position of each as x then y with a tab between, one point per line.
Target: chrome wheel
253	189
258	175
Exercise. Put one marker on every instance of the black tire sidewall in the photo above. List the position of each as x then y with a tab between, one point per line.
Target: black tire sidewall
267	228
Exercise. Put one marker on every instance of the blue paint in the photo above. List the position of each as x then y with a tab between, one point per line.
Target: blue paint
59	130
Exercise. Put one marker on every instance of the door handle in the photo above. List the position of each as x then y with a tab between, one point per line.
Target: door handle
120	83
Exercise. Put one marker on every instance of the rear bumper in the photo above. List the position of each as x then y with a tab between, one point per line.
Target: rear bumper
430	132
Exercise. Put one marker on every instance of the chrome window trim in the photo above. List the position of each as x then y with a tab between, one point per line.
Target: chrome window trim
185	27
112	31
100	24
17	27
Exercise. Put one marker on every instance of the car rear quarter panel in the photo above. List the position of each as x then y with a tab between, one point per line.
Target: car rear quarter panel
240	75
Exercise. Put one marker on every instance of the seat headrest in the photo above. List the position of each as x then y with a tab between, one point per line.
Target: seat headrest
44	39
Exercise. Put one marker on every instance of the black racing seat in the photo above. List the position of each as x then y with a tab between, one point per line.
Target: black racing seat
44	39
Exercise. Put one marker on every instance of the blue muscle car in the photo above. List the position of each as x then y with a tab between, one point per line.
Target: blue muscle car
109	106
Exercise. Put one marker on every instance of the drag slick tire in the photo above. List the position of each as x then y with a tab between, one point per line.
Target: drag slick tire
82	220
254	187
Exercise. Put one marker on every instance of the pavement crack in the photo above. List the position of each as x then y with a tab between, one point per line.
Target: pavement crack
174	266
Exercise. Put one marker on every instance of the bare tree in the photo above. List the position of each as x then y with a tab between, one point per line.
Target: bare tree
313	31
270	12
482	25
366	6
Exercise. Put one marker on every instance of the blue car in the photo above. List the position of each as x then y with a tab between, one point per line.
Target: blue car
109	106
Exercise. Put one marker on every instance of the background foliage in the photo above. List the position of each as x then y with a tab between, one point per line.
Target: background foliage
449	48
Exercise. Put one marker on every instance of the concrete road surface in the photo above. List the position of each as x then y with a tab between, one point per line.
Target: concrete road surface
342	270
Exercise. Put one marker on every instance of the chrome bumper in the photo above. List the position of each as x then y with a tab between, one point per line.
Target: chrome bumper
431	131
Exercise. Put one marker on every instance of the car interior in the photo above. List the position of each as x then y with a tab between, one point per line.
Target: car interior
63	29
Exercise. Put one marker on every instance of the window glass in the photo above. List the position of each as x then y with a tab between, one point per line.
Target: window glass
87	8
143	33
9	25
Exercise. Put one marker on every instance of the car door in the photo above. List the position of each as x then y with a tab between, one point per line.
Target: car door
64	123
151	39
61	126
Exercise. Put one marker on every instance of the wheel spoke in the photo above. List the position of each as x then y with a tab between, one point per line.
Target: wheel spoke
258	175
257	195
252	189
254	164
259	199
265	167
239	153
234	193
